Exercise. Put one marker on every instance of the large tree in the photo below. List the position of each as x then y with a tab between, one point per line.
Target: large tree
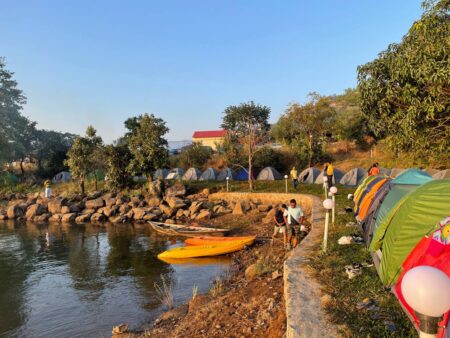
405	92
247	124
195	155
117	159
147	143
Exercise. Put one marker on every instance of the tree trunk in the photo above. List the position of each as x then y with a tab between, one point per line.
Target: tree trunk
250	176
96	181
82	185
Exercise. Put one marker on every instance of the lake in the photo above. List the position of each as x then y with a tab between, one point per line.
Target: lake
81	280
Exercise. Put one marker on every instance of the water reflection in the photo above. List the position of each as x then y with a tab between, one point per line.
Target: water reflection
79	281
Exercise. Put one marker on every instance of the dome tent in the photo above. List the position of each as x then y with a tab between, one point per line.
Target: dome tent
385	171
242	175
63	176
175	173
353	177
396	171
226	172
309	175
192	174
269	174
440	175
161	173
337	176
209	174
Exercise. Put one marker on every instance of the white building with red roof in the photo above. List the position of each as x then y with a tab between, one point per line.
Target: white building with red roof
209	138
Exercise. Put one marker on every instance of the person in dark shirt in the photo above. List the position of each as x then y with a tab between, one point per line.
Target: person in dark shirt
280	224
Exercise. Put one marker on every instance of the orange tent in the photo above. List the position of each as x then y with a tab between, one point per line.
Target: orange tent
368	198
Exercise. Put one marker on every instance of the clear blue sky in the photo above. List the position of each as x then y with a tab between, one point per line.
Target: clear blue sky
99	62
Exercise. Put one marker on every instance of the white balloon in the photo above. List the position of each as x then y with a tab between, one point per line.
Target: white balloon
427	290
333	190
350	197
328	204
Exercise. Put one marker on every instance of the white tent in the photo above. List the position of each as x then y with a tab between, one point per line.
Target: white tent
269	174
309	175
161	173
443	174
209	174
175	173
227	172
337	176
192	174
61	177
353	177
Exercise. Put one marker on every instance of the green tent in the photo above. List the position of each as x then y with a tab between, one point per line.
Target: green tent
403	184
413	217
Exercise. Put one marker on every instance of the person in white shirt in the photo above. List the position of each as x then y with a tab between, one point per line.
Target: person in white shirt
293	217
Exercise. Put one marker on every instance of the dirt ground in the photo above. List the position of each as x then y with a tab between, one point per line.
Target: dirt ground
240	304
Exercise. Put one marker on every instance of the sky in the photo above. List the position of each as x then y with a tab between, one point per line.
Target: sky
84	62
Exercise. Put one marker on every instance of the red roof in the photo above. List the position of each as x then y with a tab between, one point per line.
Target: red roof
209	133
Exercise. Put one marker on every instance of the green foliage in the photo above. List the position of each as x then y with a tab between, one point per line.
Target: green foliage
194	155
145	138
405	91
268	157
117	158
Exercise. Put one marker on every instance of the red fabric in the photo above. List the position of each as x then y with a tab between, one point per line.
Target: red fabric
209	133
427	252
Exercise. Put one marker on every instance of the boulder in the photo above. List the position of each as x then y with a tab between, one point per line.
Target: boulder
264	207
76	207
167	210
221	210
204	214
95	203
154	202
156	211
180	213
250	272
118	219
195	207
170	221
97	217
65	210
35	210
176	203
124	208
149	217
56	218
88	211
42	218
269	217
83	218
139	213
109	211
134	202
205	192
109	201
67	218
238	209
129	214
176	190
15	211
3	217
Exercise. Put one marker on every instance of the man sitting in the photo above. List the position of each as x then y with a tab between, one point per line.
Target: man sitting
280	224
293	217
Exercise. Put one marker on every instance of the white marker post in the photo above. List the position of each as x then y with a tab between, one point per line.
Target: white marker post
333	191
325	186
227	183
328	205
285	179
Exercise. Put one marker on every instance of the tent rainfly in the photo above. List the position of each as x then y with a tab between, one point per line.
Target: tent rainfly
227	172
269	174
192	174
161	173
309	175
338	174
61	177
209	174
396	171
353	177
443	174
175	173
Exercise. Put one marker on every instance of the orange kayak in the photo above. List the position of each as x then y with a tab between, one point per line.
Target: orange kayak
211	240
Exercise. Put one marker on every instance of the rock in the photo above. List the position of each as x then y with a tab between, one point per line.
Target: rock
76	207
120	329
167	210
83	218
205	192
3	217
97	217
264	207
118	219
250	272
326	299
154	202
276	274
124	208
176	203
56	218
42	218
15	211
109	201
67	218
176	190
195	207
88	211
269	217
129	214
35	210
204	214
109	211
156	211
169	221
186	213
138	213
135	201
95	203
65	210
180	213
222	210
238	209
54	205
149	217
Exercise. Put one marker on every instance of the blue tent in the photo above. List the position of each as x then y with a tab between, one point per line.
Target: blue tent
412	176
242	175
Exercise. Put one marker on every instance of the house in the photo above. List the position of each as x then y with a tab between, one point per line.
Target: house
210	138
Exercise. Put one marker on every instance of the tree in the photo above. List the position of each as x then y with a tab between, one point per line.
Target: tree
97	159
194	155
117	158
145	139
405	91
247	124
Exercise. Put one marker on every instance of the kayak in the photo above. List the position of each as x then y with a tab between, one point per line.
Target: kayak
203	250
198	261
210	240
185	230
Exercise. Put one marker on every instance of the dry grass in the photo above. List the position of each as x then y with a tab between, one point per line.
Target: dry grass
217	288
165	291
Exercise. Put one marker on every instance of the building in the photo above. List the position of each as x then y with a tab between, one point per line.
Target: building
210	138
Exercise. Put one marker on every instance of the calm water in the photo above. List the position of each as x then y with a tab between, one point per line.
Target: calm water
79	281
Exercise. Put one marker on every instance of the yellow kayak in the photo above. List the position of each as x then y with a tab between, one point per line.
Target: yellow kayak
204	250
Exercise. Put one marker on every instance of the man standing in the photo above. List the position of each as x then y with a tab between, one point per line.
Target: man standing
330	173
294	177
280	224
293	217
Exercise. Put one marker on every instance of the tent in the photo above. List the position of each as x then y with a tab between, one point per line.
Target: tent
61	177
406	182
269	174
361	187
432	251
413	217
396	171
161	173
338	174
353	177
367	196
175	173
440	175
385	171
209	174
226	172
242	175
192	174
309	175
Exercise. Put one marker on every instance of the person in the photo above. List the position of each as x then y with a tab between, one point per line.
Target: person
294	177
293	217
374	170
48	189
330	173
280	224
